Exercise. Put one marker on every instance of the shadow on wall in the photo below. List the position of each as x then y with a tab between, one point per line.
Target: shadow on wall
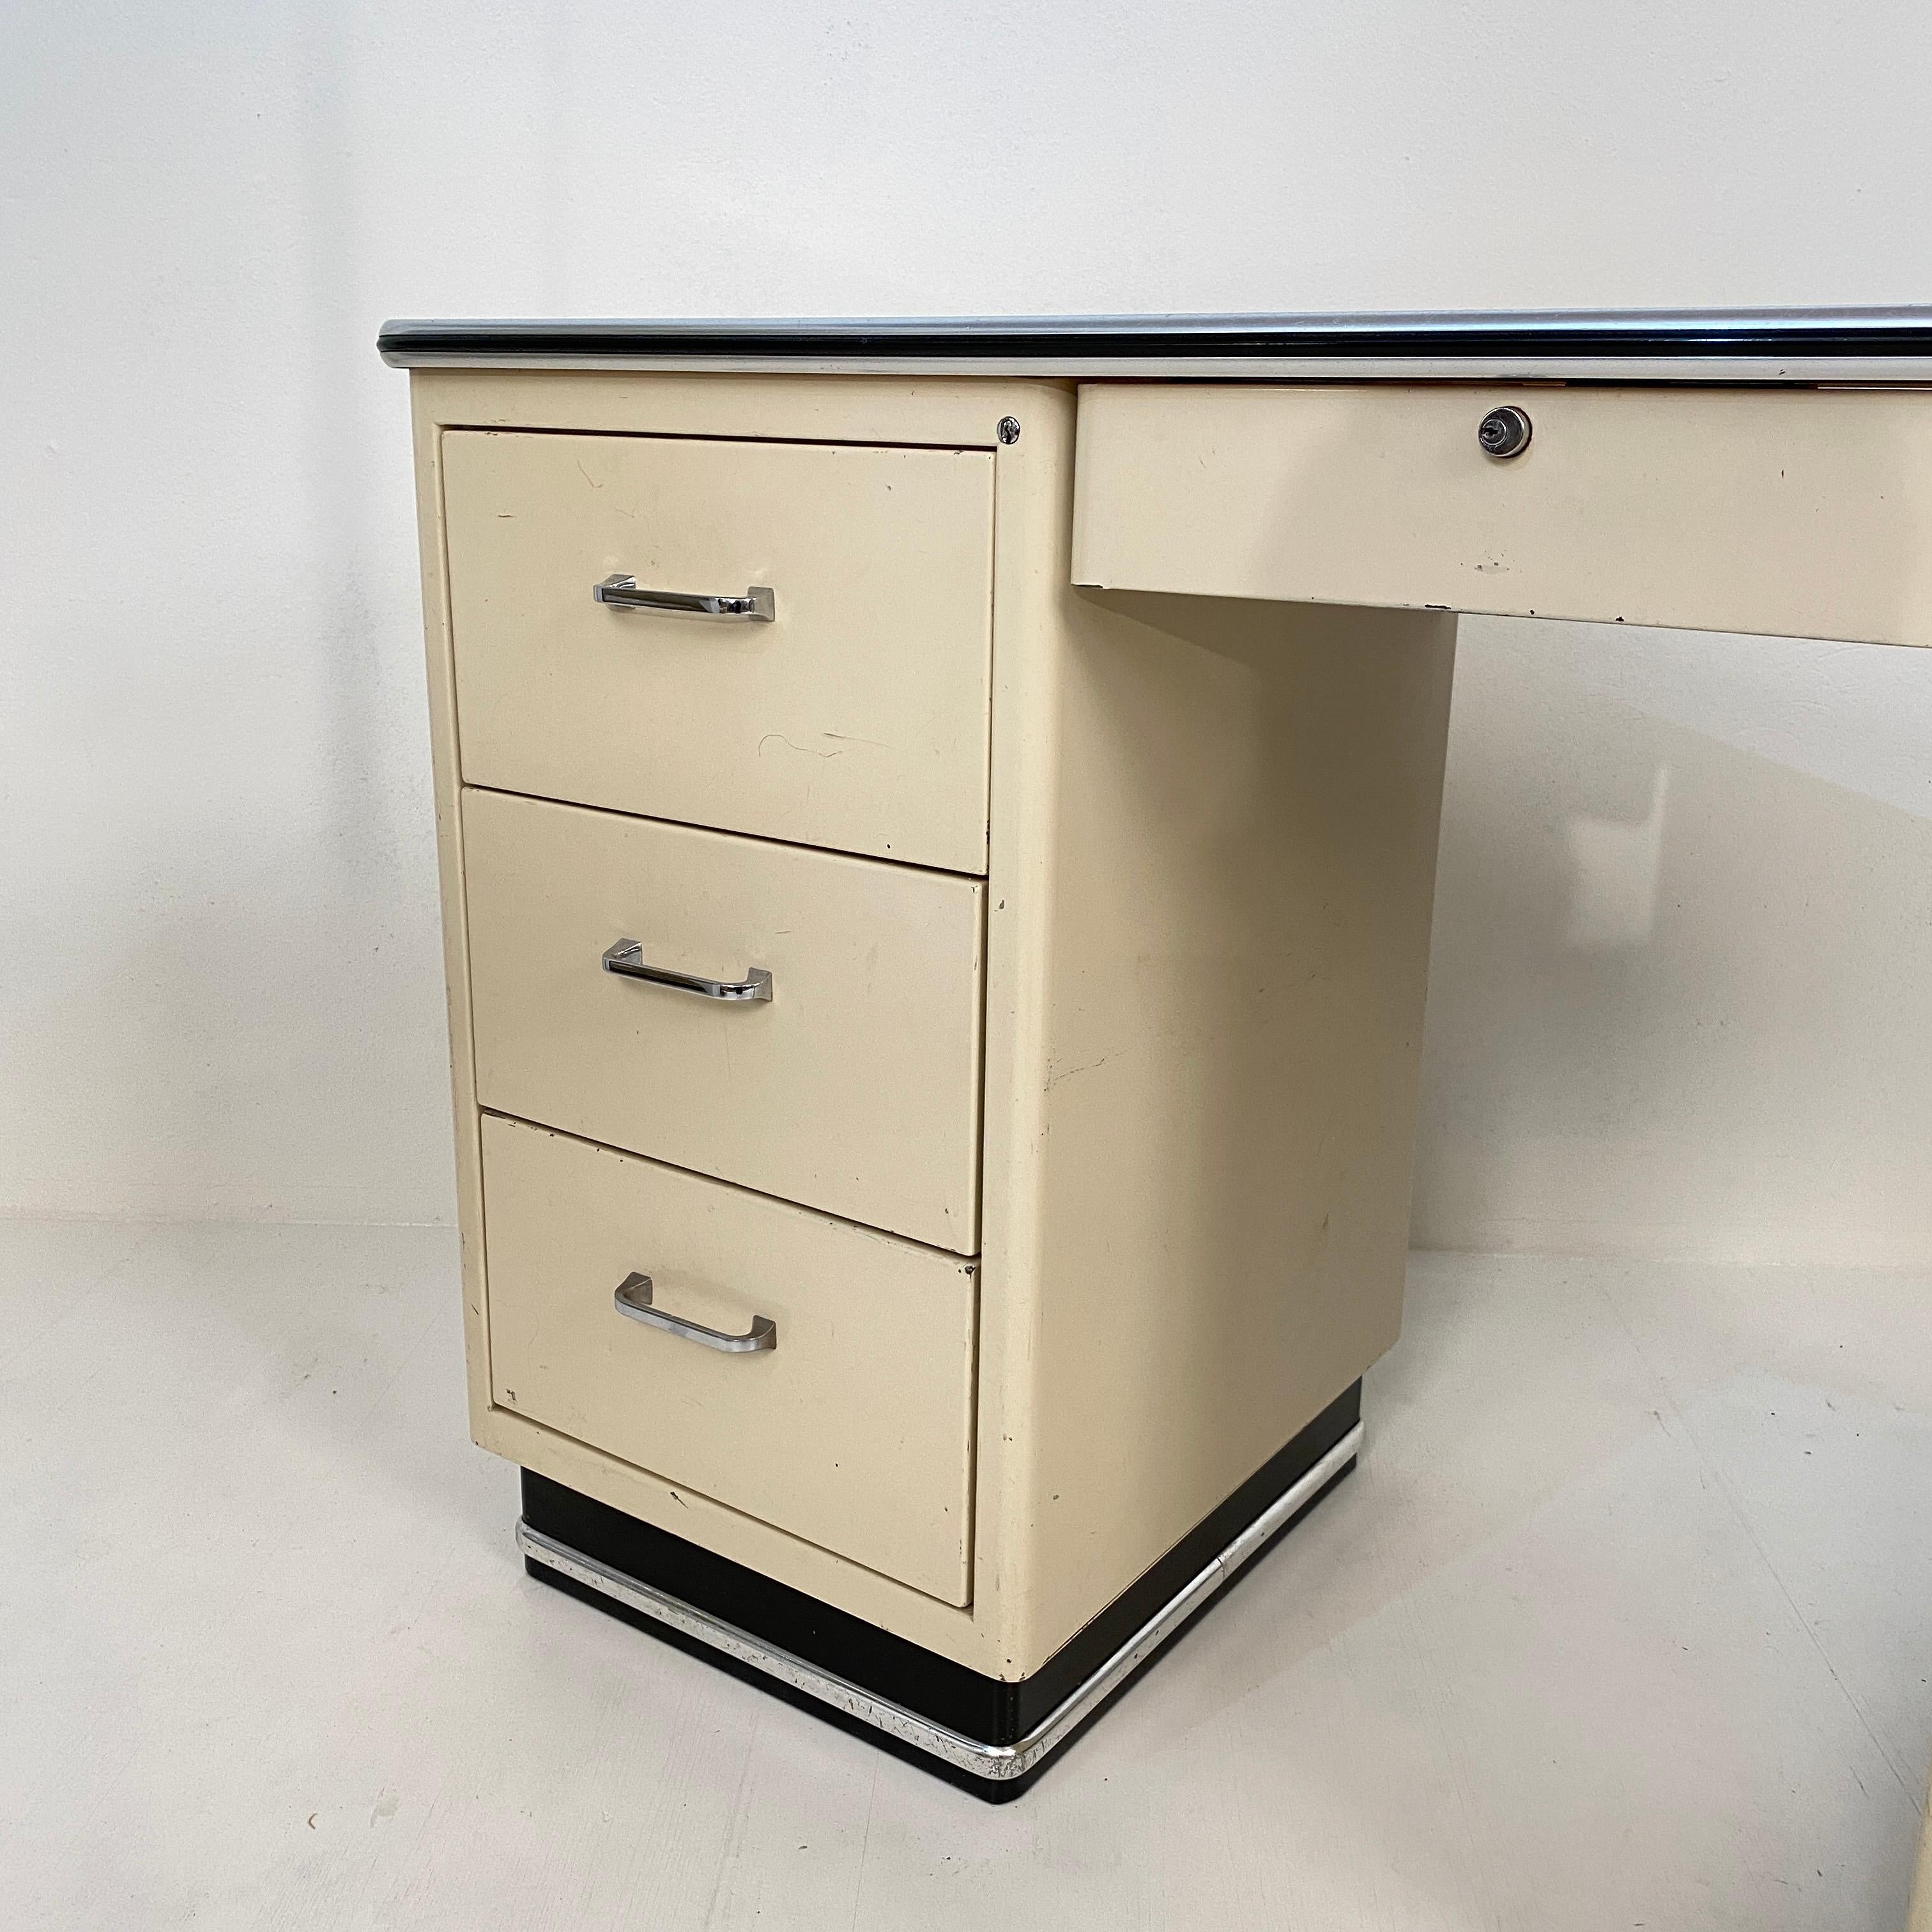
1677	996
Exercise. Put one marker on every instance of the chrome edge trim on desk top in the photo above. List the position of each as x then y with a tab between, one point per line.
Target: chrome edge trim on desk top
997	1763
1794	346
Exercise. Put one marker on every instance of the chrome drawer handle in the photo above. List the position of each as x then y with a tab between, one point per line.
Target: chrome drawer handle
633	1298
626	957
759	604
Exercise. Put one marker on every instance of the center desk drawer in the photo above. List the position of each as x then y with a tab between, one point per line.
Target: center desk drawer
854	1087
1791	513
857	718
851	1427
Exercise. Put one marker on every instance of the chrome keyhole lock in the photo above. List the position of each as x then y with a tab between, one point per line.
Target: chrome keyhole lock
1504	432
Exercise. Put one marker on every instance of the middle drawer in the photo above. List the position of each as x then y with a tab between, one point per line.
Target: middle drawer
854	1087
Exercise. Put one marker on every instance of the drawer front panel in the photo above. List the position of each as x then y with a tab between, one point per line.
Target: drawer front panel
853	1430
854	1088
857	718
1786	513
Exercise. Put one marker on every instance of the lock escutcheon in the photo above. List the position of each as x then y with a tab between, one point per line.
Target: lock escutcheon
1503	431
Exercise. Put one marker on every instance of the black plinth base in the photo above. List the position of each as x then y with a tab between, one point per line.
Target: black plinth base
914	1703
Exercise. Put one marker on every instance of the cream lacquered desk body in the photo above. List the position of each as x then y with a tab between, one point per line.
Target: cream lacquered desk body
938	825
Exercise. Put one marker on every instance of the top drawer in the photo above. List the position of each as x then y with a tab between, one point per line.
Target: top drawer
857	719
1789	513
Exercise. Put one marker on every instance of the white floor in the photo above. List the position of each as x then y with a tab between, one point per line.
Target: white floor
1621	1623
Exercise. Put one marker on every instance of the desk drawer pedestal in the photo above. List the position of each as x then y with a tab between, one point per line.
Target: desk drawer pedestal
1004	997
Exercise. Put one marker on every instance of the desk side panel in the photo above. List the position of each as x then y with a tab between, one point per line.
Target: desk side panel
448	787
1225	871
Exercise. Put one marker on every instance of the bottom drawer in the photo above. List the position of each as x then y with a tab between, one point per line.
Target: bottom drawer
853	1429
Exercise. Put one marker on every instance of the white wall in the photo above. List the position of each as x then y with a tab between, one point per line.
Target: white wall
1685	1012
1681	988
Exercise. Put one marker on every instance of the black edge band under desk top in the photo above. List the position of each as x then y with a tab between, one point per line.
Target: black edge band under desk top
1792	346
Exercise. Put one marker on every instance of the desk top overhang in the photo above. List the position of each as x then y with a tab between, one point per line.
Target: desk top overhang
1795	346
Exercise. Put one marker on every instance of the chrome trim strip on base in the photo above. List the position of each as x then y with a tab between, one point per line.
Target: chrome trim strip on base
997	1762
